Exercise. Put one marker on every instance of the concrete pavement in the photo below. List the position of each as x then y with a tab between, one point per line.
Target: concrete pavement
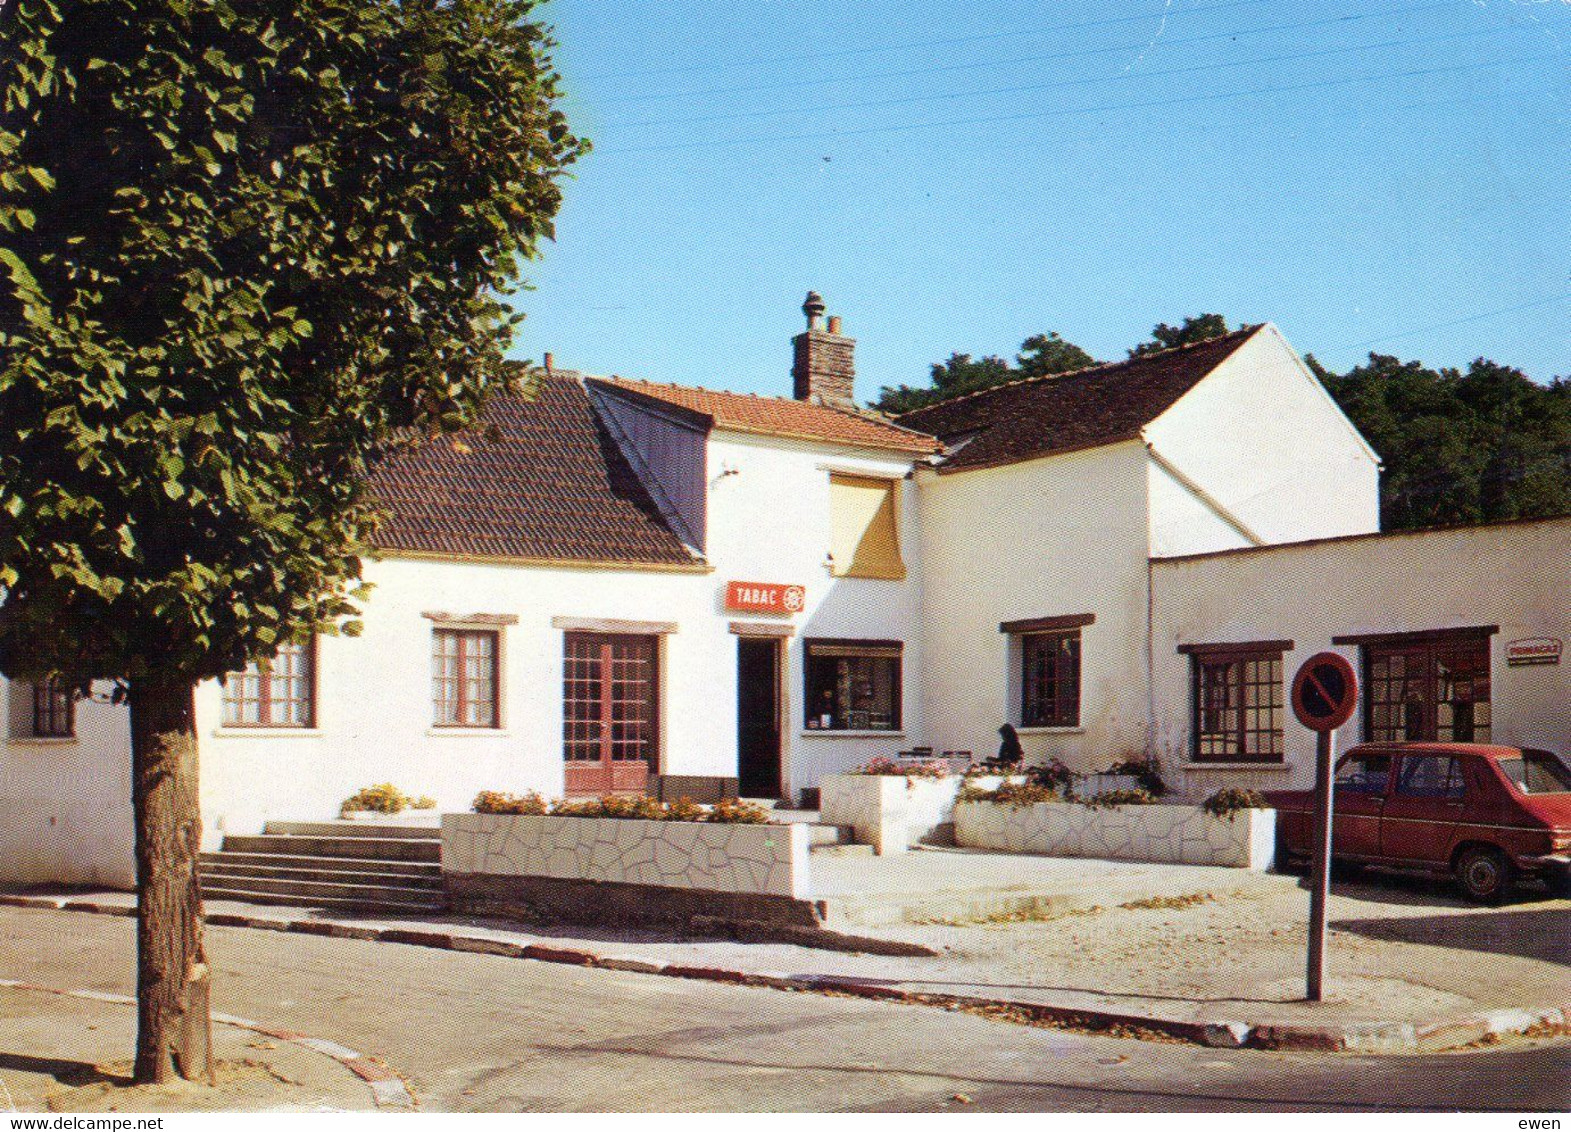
1212	955
487	1033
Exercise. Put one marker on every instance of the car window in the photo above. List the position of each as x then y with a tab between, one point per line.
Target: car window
1538	772
1430	776
1364	774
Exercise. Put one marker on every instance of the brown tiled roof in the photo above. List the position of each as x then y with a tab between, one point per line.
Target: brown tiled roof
780	416
1066	412
536	479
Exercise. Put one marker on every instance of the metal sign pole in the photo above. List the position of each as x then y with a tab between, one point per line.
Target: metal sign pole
1319	893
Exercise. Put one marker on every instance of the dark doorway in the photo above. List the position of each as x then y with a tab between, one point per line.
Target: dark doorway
758	716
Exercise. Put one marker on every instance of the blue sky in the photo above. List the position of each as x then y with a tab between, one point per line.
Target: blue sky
1389	175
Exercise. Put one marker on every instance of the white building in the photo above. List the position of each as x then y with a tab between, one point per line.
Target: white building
623	586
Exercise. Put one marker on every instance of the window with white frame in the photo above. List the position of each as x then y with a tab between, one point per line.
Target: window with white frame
280	692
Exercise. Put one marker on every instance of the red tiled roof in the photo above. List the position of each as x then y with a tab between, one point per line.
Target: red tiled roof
1063	413
780	416
535	479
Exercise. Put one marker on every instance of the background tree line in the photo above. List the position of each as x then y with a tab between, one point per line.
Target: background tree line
1458	446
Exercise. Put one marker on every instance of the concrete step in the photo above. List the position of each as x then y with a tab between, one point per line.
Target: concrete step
371	900
819	834
220	870
306	891
353	829
230	859
842	849
373	848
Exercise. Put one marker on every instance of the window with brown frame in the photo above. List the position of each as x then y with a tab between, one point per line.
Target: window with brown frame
464	672
54	710
1430	687
280	692
1050	679
853	685
1238	703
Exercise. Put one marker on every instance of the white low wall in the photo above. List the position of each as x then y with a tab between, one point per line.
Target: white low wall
891	812
1163	834
768	860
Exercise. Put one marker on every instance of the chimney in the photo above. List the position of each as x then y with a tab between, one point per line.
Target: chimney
822	369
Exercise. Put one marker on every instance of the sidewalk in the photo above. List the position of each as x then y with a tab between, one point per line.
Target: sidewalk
1208	955
70	1051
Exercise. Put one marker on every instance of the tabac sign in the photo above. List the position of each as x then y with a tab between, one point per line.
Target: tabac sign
1534	650
765	597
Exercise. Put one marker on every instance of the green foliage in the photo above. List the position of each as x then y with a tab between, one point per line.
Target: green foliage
639	806
245	248
1195	329
495	802
904	768
1114	798
1012	794
1041	355
1228	801
385	799
1146	771
1460	447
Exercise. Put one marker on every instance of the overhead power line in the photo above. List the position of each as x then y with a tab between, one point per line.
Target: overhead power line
1079	54
950	95
908	46
1458	321
821	135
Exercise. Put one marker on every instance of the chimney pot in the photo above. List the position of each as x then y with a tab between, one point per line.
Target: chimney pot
834	324
813	308
548	361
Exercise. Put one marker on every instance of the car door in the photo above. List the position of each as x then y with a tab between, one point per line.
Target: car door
1420	817
1360	789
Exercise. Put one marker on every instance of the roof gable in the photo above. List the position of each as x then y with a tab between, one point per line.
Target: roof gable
1088	408
537	479
777	416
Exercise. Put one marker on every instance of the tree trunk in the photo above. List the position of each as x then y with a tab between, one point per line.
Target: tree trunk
174	1030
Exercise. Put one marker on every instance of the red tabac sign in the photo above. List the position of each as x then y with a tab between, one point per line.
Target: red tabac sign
765	597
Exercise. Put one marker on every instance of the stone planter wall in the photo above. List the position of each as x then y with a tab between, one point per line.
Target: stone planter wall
1162	834
891	812
755	860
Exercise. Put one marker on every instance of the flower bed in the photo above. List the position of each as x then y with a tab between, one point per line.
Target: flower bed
892	812
746	858
1160	833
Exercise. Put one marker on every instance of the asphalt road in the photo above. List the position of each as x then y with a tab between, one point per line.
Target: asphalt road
475	1032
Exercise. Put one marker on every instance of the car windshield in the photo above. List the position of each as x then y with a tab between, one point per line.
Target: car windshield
1538	772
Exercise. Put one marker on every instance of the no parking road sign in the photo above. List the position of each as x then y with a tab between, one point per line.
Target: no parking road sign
1325	691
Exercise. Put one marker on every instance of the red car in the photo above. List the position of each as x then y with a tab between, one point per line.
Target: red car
1484	814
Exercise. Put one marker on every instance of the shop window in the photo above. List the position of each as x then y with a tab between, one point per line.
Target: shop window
465	676
1050	679
280	692
1430	687
864	533
42	710
853	685
1238	703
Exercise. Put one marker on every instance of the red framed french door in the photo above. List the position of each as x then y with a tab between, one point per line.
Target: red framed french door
610	712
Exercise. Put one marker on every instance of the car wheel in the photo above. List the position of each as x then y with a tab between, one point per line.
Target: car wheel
1484	873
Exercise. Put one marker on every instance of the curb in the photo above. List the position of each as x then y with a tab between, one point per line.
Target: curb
388	1089
1334	1037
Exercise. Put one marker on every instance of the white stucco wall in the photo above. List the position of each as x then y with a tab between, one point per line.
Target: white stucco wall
1514	575
769	521
65	804
1052	537
1262	438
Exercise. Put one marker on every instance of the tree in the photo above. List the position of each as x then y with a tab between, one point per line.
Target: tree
1041	355
1196	329
1460	447
246	248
